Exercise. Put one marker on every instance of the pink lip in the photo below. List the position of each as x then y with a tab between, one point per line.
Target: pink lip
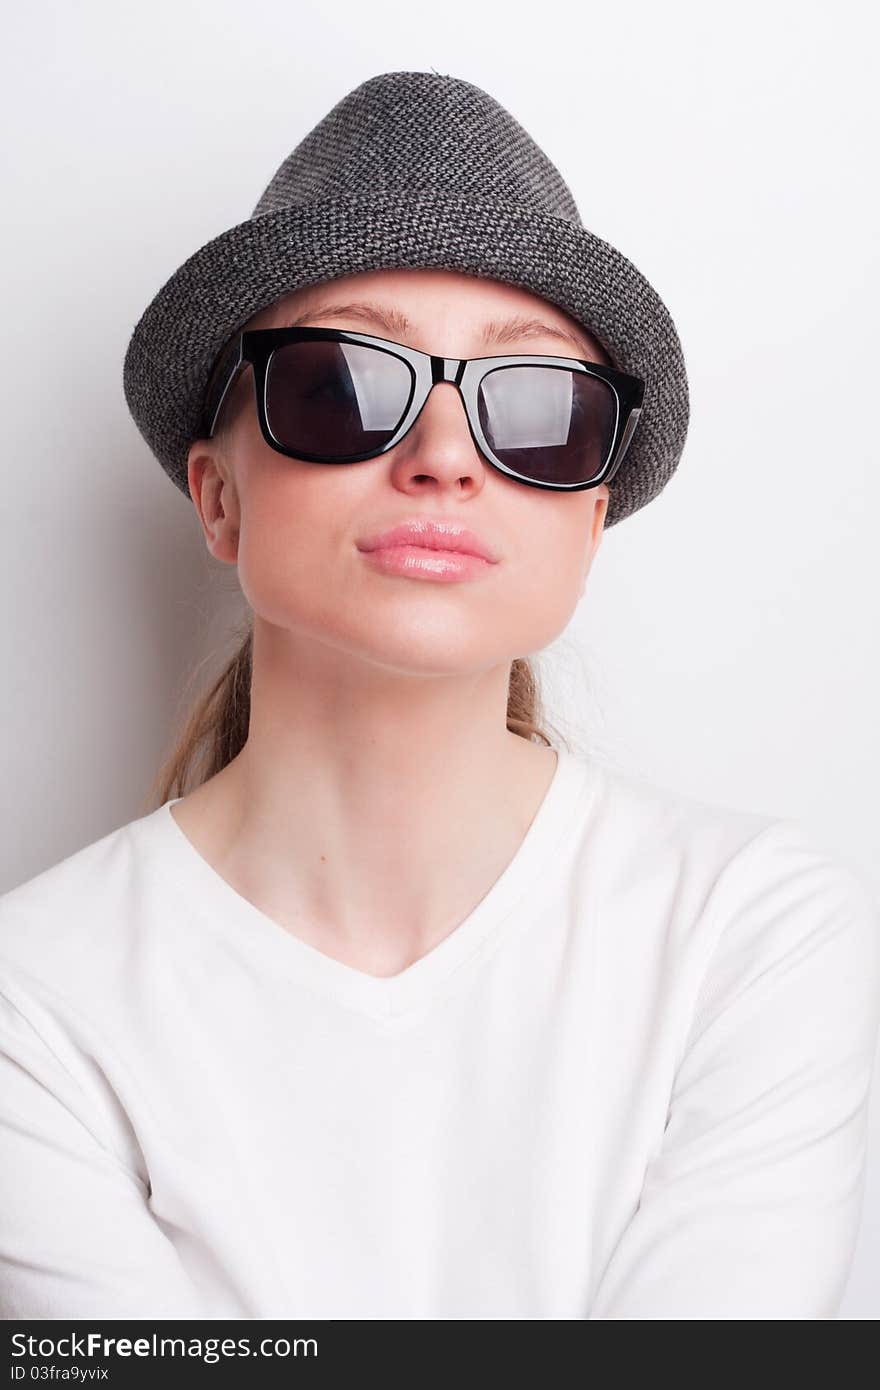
424	535
418	562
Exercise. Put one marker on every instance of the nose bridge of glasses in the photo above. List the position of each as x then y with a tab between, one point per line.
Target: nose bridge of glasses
447	369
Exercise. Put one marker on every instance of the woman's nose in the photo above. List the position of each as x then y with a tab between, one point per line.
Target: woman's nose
440	443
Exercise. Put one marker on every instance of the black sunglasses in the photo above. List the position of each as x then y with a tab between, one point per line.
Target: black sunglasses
327	395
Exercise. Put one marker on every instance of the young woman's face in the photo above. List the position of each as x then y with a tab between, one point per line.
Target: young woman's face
293	528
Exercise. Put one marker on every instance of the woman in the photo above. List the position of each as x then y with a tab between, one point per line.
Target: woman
395	1010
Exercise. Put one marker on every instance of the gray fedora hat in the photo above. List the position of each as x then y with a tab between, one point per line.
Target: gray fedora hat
411	169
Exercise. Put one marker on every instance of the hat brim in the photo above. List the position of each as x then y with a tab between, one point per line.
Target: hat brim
251	265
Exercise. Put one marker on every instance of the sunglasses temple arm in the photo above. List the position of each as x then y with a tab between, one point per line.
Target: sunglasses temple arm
233	369
625	438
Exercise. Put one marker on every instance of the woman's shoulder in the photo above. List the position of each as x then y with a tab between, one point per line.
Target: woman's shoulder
80	911
667	818
639	820
724	858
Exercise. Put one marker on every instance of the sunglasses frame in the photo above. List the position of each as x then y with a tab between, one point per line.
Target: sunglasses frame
256	346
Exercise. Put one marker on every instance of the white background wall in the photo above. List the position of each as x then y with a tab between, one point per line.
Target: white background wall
727	642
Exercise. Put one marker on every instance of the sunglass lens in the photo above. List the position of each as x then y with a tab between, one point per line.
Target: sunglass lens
550	424
335	400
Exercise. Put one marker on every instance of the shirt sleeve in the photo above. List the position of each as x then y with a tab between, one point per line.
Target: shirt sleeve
77	1238
751	1207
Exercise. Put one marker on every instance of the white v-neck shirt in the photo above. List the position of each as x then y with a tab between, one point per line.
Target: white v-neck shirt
632	1083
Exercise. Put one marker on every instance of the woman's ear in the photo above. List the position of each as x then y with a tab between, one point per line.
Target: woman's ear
214	495
597	530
